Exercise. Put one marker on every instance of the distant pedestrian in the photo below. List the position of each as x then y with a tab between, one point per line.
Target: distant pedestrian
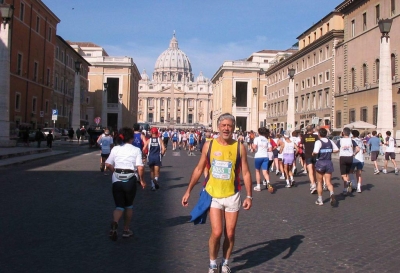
374	142
390	143
83	133
25	136
39	137
71	134
125	162
78	134
106	143
358	161
156	150
50	139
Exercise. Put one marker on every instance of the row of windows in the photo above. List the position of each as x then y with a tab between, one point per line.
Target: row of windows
38	22
34	104
364	115
65	58
307	102
315	37
35	72
376	18
150	118
364	76
305	63
150	102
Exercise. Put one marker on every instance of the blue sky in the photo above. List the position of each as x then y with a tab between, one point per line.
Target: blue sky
208	31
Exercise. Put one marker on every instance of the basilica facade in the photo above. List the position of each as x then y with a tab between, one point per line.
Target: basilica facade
173	97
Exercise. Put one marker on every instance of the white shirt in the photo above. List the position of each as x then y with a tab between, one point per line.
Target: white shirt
359	157
288	148
390	148
346	146
125	157
263	145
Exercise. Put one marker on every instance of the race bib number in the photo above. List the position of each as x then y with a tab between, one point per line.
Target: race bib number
221	169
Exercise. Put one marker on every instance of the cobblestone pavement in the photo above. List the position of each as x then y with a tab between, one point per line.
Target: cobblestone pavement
56	213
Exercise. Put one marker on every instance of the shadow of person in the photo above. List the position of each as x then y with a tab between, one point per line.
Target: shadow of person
266	251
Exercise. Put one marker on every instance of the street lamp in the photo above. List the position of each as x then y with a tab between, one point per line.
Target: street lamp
290	111
76	106
385	96
7	14
255	91
105	86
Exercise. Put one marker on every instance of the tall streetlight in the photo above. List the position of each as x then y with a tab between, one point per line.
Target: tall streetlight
290	122
104	108
385	96
7	14
76	107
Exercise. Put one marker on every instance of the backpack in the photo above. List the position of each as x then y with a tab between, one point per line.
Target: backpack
191	139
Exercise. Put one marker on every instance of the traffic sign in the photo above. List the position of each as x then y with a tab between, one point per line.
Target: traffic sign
54	112
315	120
54	117
41	114
97	120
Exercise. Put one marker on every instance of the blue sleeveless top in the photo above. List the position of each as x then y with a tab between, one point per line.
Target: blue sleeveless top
137	140
154	147
326	150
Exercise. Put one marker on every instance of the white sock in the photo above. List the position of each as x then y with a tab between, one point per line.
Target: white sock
224	261
213	263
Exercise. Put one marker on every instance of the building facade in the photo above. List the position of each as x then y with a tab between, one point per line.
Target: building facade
33	44
116	105
314	65
64	82
172	97
240	88
358	61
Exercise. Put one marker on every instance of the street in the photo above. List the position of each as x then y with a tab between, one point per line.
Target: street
56	214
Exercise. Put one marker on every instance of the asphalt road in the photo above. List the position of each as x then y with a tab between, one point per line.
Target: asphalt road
56	213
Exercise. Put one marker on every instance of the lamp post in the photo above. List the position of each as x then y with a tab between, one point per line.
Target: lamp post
104	108
5	33
76	106
290	111
385	96
120	110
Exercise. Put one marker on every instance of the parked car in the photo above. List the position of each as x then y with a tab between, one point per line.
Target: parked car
55	131
64	132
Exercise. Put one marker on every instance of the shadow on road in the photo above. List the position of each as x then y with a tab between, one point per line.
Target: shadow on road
266	251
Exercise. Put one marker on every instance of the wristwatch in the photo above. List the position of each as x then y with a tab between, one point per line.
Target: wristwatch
250	197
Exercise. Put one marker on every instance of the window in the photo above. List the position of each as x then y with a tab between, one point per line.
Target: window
57	53
352	115
353	78
62	56
377	13
327	98
320	55
393	7
315	59
377	69
49	35
353	28
67	60
394	108
320	31
87	100
340	85
314	80
46	107
17	101
327	52
364	74
327	27
150	102
320	78
308	82
56	82
393	65
302	84
363	114
327	76
34	102
48	77
338	119
375	115
37	24
19	64
22	12
35	71
364	21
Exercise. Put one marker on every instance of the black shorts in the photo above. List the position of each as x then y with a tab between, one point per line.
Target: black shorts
275	152
124	192
345	163
374	155
105	155
311	160
154	160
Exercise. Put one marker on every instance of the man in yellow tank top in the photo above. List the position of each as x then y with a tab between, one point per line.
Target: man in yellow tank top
224	158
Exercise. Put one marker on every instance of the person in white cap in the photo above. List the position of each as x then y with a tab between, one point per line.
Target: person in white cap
288	148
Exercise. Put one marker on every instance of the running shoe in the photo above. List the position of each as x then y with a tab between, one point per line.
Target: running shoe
396	171
257	188
270	188
225	269
282	177
349	187
277	173
288	185
319	202
313	189
305	172
113	231
295	171
264	182
384	170
359	189
324	187
272	169
156	185
376	171
153	188
333	200
213	269
292	183
344	192
127	233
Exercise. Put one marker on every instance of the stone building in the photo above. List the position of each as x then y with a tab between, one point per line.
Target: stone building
240	88
358	62
172	97
116	105
314	65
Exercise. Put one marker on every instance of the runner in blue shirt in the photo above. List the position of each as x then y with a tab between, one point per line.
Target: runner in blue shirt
375	143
